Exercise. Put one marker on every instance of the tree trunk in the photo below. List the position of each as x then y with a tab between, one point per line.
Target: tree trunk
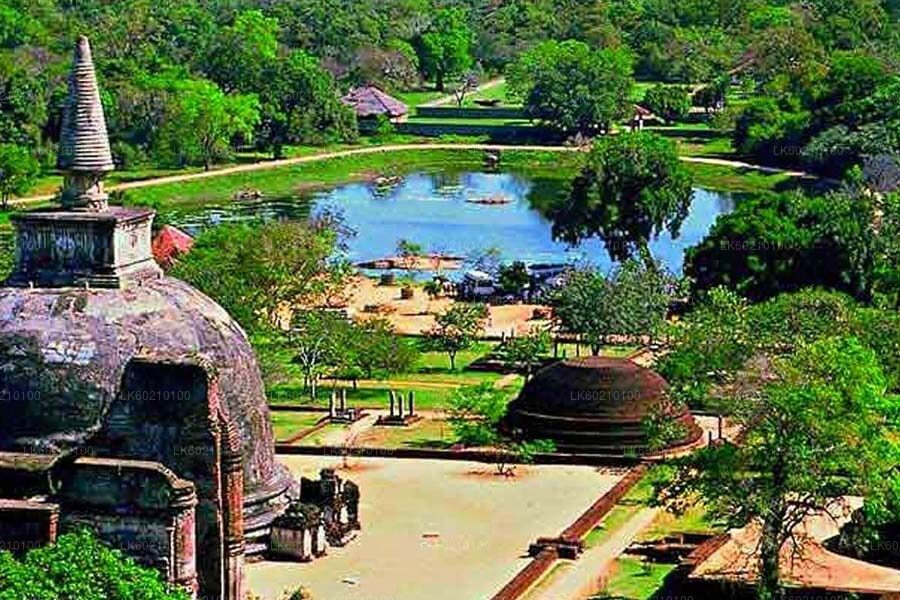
439	81
769	586
452	356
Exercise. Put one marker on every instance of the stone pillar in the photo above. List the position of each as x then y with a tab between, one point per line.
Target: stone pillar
391	400
721	427
331	405
184	567
411	408
343	401
400	406
233	500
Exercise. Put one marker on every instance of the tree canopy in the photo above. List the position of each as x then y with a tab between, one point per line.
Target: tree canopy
572	87
631	188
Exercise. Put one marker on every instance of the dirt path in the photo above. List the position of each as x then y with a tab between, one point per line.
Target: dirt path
442	530
444	100
287	162
589	574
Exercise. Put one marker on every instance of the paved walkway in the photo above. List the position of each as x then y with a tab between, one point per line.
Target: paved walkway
312	158
589	574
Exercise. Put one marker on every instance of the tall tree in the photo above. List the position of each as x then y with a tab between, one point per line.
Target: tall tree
456	330
445	49
259	273
238	57
573	88
632	187
823	427
632	300
201	122
18	172
300	104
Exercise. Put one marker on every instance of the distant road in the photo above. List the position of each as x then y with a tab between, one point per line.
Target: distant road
312	158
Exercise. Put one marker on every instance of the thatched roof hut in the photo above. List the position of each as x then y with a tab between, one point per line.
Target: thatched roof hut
370	102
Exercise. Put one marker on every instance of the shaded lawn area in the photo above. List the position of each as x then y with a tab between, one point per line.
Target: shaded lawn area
634	579
413	98
286	424
432	381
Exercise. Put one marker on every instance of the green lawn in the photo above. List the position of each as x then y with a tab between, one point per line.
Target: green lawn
287	424
497	92
414	98
633	579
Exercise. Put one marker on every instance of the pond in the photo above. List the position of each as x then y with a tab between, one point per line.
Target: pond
440	212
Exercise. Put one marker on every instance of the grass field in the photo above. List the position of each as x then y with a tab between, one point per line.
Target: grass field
634	579
286	424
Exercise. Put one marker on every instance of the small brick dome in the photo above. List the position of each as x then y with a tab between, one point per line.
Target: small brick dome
596	405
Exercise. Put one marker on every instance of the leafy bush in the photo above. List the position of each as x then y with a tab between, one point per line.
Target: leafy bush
79	567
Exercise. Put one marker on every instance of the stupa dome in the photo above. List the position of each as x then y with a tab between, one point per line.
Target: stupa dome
596	405
65	354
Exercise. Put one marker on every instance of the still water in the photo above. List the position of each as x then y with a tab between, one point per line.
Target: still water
436	210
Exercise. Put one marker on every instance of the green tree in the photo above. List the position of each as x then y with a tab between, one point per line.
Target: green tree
573	88
475	414
201	122
631	188
632	300
300	105
670	103
18	172
321	339
445	49
257	272
79	566
456	330
781	243
513	278
525	350
238	57
821	428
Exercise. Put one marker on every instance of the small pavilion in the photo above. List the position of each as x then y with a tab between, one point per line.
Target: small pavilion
369	102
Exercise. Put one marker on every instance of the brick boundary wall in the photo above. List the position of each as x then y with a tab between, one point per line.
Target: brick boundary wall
540	565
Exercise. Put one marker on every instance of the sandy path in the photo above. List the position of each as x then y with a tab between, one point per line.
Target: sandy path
312	158
442	530
588	575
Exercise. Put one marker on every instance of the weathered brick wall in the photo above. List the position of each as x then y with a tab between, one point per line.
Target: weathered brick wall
27	524
138	507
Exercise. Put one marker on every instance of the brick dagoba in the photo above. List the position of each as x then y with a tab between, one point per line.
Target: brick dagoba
104	357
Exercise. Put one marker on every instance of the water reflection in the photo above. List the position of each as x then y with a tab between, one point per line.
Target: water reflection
440	212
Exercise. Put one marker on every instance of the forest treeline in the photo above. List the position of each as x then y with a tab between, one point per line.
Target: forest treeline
184	82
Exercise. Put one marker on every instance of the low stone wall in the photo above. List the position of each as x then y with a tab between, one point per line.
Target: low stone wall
138	507
26	524
452	112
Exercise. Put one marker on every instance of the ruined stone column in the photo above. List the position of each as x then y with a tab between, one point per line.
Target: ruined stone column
343	401
411	409
391	399
184	568
233	498
400	406
331	405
